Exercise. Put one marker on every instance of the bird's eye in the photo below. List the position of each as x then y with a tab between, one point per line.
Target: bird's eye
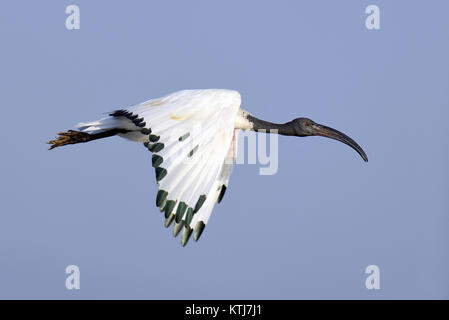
306	123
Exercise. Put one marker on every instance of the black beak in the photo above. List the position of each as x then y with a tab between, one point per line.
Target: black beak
320	130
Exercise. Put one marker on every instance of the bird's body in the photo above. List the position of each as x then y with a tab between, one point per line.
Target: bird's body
193	137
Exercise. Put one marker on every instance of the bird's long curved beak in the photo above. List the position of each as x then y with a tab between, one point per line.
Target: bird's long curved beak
328	132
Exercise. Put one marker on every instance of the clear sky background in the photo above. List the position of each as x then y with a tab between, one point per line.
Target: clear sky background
307	232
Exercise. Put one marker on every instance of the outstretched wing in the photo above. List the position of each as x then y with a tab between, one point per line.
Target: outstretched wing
191	135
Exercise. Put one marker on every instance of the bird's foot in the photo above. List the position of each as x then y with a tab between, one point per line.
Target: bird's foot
69	137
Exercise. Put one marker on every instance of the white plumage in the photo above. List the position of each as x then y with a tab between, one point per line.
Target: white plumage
193	133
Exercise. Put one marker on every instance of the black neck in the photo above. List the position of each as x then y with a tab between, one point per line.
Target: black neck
285	129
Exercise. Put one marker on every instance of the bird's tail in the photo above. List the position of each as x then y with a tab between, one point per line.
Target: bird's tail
73	137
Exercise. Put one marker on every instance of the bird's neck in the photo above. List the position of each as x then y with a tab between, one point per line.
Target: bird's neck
256	124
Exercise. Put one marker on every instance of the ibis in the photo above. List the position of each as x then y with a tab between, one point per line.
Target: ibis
192	135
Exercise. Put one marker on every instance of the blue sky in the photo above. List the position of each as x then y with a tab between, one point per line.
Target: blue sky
307	232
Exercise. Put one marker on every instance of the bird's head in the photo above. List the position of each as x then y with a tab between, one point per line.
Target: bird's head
305	127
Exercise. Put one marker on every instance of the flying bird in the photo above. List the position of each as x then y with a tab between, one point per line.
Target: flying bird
192	135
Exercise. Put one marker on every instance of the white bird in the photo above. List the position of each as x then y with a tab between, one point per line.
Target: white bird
193	137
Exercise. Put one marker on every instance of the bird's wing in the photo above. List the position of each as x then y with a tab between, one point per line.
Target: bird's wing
190	134
227	165
215	193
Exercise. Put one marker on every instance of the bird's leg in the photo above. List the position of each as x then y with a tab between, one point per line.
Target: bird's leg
72	137
69	137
